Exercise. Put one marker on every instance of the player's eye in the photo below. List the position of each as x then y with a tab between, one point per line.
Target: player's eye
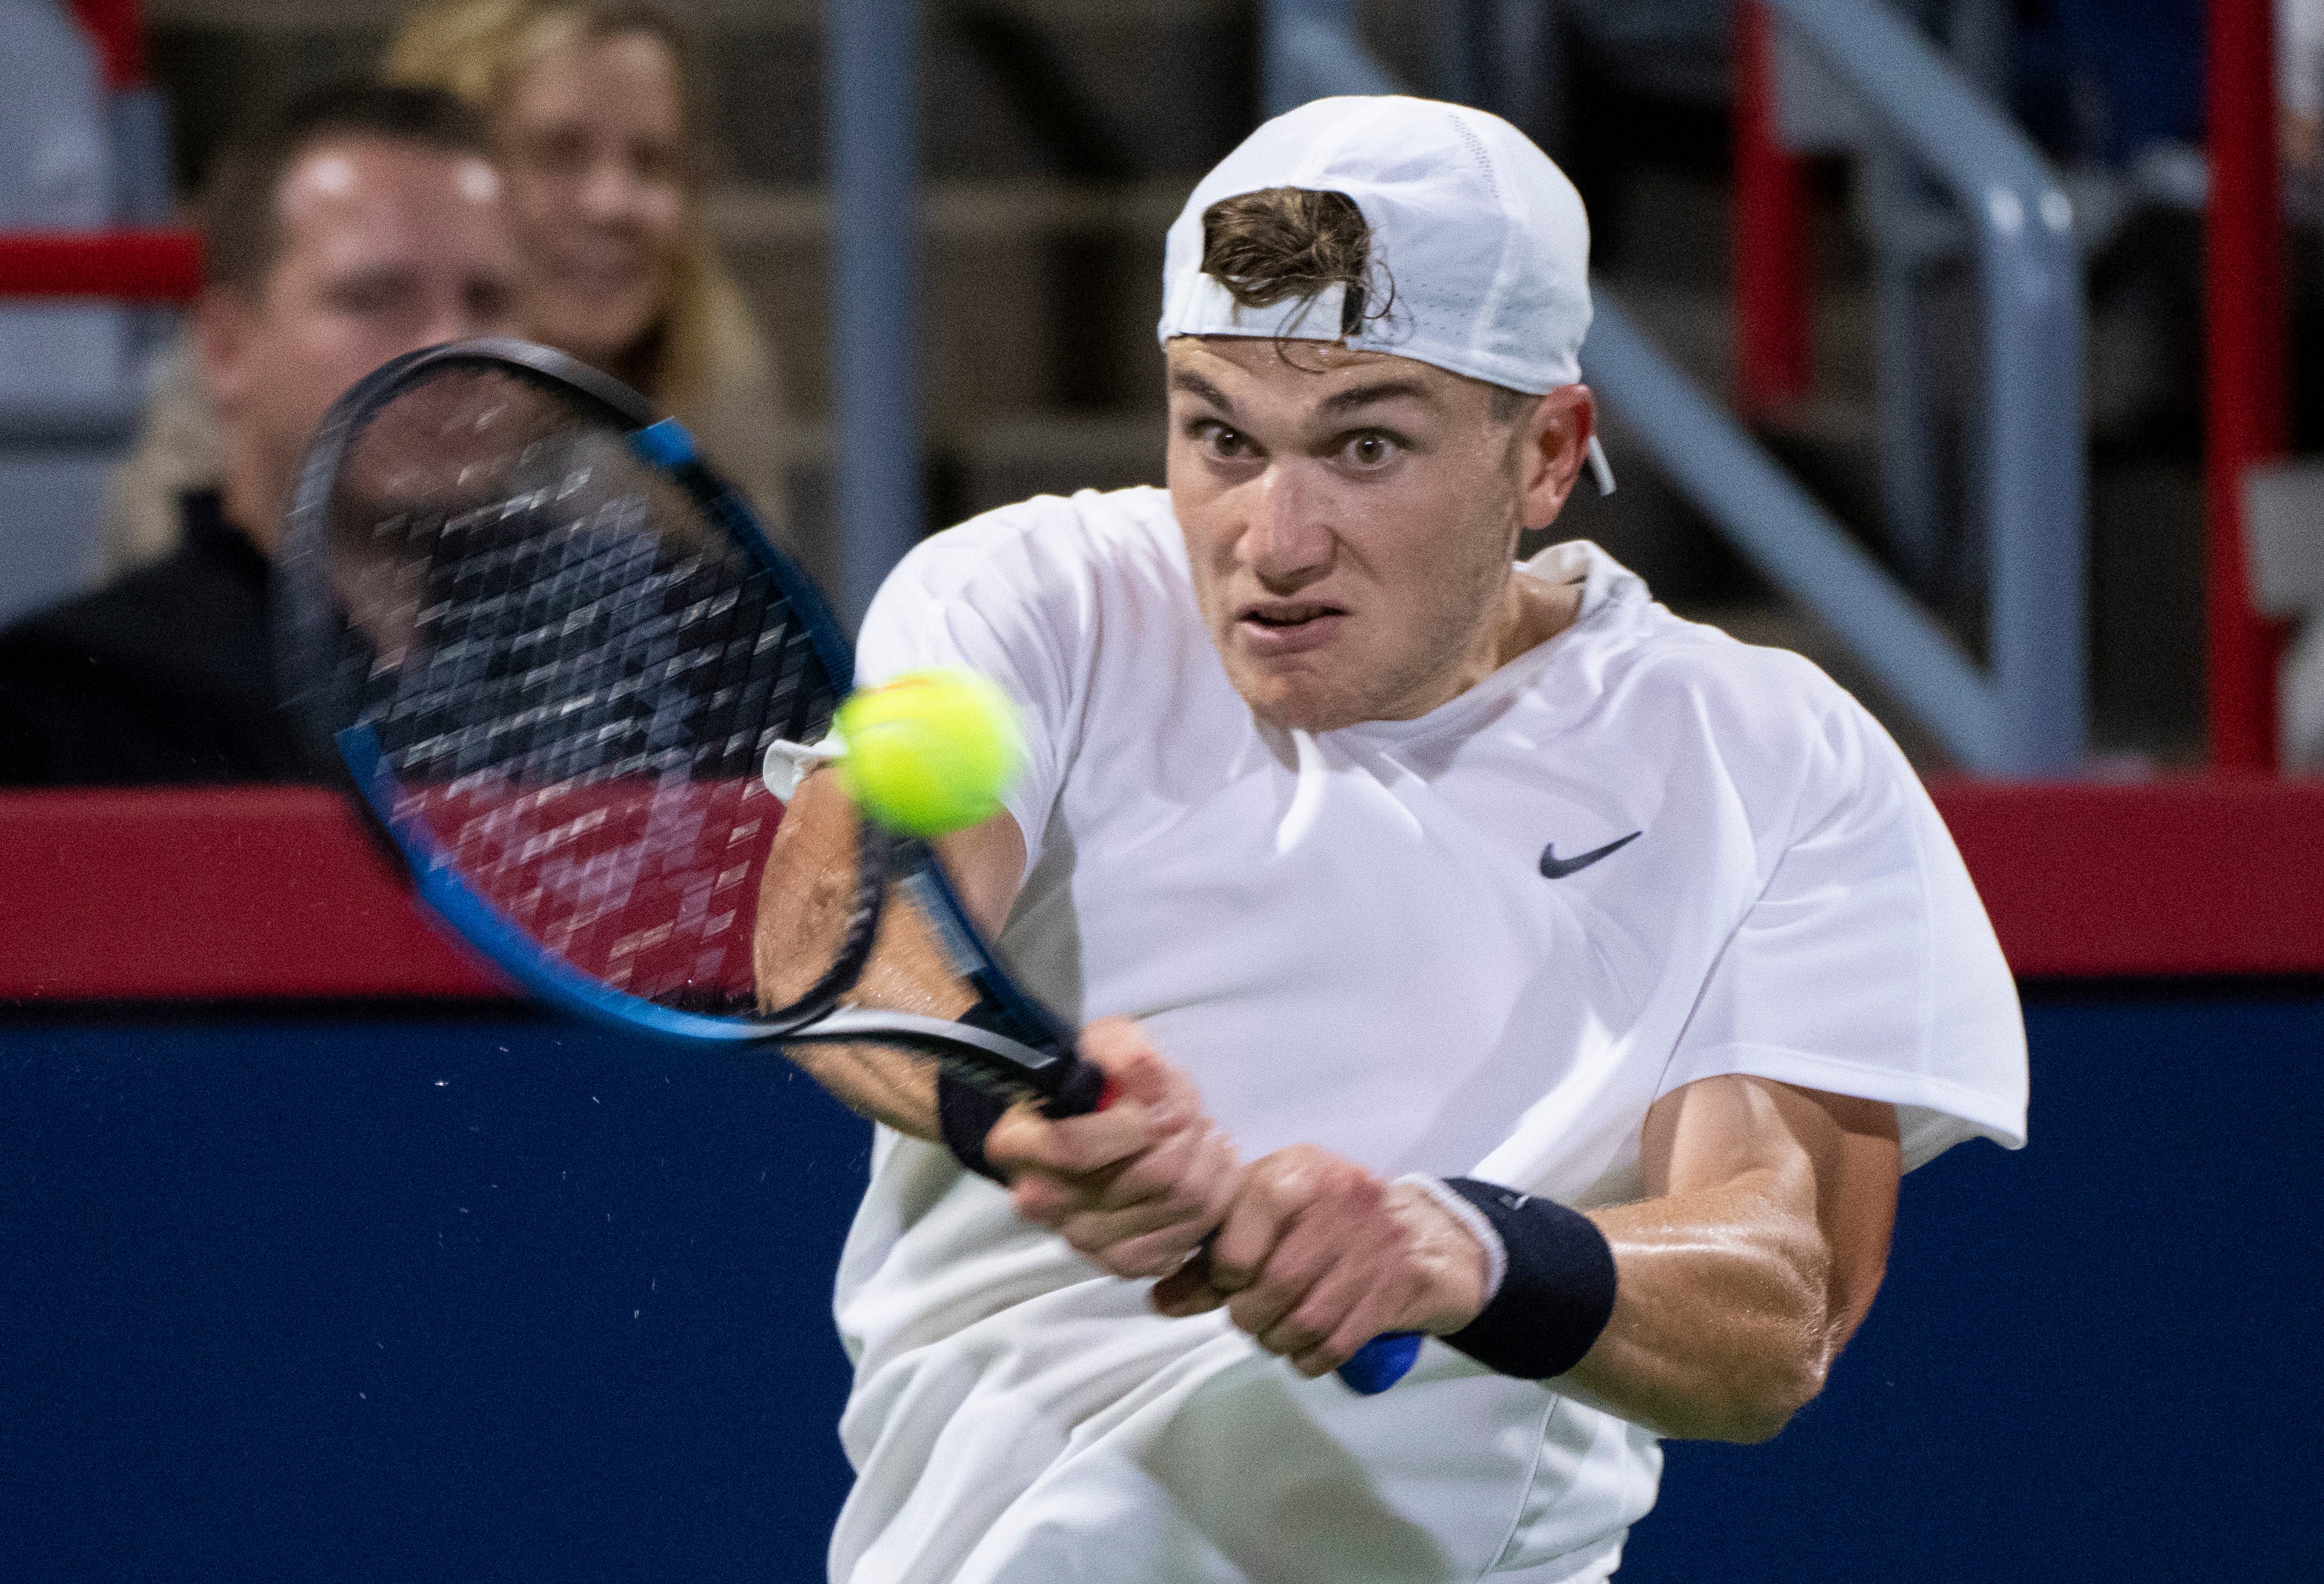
1218	440
1368	452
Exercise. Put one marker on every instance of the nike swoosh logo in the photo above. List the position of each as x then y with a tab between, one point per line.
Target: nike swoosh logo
1554	867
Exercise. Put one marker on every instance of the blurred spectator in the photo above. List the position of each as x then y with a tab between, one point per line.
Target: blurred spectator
596	110
597	115
359	223
176	454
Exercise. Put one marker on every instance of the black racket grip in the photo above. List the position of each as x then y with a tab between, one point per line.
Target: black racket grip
1085	1089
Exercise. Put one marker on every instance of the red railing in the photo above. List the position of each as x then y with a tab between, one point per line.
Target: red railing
138	266
144	265
1775	343
2248	388
117	28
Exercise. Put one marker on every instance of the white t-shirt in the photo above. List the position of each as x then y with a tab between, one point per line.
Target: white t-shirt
1349	938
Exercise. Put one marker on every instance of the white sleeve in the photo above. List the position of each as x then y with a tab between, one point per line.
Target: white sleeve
1001	596
1866	966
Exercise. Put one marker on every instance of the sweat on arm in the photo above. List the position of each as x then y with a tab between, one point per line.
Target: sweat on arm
1751	1262
1735	1282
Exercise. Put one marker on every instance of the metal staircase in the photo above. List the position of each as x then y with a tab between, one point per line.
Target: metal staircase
1952	180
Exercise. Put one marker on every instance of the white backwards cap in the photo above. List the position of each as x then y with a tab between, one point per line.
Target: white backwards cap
1480	259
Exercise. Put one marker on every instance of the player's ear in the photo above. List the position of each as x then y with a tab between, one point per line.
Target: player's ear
1552	446
225	326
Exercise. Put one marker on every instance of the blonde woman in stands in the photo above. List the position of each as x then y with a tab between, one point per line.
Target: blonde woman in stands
598	118
598	121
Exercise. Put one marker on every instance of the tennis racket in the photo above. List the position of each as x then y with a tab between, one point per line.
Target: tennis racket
560	662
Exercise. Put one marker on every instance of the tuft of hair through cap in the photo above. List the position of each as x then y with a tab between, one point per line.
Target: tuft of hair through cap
1484	238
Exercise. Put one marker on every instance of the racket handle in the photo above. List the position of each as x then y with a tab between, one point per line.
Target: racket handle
1378	1364
1381	1363
1085	1089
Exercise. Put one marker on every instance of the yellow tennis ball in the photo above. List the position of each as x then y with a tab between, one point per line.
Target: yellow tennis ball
930	752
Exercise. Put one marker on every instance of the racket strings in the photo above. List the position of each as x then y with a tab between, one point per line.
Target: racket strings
574	680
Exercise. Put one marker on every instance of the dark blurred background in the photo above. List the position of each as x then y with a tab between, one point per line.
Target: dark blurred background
1059	137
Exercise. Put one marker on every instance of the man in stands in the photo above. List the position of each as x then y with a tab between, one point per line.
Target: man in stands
358	223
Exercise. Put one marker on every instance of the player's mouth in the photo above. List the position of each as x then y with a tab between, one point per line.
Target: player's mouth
1286	626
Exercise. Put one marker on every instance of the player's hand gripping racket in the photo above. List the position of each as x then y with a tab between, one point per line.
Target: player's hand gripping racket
553	651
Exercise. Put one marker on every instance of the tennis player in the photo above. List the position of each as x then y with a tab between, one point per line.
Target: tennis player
1478	947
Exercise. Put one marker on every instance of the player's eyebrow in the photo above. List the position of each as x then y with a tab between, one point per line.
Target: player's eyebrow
1195	385
1365	395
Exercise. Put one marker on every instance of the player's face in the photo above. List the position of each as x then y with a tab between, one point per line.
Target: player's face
385	249
593	141
1350	519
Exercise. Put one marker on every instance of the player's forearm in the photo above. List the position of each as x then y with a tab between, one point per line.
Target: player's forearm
888	1086
1721	1327
907	972
807	897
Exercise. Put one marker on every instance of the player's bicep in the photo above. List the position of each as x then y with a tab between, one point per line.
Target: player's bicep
987	865
1827	1164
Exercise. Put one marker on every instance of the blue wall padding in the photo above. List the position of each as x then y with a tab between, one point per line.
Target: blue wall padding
2093	1360
415	1300
329	1298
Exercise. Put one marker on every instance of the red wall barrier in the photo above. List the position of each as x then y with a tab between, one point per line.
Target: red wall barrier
2204	875
240	893
259	892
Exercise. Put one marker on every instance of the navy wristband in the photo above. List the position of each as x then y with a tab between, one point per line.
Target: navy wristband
965	1113
1558	1291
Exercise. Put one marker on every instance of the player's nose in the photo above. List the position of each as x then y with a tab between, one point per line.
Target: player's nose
1287	538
